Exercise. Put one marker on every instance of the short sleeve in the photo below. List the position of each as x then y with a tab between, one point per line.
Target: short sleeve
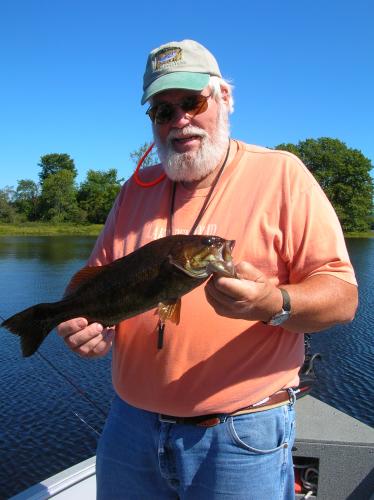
315	242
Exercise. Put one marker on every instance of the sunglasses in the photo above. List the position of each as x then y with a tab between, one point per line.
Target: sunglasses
165	111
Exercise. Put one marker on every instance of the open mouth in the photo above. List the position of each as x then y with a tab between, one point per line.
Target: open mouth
221	261
215	259
184	139
186	134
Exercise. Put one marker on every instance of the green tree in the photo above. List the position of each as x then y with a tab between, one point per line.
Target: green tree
26	198
97	194
151	159
59	198
55	162
7	211
344	175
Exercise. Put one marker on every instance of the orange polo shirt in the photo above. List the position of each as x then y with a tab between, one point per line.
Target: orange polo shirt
283	224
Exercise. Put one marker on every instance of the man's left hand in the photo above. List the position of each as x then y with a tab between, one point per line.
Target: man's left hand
251	296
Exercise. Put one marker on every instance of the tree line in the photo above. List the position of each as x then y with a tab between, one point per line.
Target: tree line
344	175
57	198
342	172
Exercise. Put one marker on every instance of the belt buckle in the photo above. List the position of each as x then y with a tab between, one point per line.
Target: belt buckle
167	419
291	396
211	422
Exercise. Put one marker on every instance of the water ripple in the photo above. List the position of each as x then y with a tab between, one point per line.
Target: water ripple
39	432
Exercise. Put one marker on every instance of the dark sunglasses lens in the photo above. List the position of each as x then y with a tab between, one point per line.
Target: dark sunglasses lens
163	113
195	104
151	113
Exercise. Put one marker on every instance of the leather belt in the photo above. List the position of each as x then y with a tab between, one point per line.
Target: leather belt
280	398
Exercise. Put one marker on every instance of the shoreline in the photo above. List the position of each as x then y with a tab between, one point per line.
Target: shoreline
45	229
356	234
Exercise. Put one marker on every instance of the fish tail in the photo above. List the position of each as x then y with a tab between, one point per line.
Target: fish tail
32	325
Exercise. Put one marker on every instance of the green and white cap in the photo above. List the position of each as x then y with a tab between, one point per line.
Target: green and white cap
178	65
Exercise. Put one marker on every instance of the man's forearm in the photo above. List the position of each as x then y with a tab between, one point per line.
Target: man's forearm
320	302
317	303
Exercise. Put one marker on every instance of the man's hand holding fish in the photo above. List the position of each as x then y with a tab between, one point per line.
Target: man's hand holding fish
253	297
88	340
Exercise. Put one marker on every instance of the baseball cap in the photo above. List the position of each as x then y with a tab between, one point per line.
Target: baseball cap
178	65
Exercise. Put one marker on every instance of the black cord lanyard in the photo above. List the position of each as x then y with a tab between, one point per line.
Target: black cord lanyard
169	229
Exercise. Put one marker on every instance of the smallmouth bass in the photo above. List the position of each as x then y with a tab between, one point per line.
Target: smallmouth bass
155	275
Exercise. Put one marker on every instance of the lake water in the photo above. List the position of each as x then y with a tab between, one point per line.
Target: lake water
46	425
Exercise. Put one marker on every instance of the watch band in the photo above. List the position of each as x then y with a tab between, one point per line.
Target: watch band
284	314
286	300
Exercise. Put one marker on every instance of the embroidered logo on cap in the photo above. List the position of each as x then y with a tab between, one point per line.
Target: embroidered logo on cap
167	57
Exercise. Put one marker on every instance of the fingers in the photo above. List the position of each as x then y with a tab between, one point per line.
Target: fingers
222	288
249	283
224	305
247	271
96	346
229	297
251	297
72	326
86	340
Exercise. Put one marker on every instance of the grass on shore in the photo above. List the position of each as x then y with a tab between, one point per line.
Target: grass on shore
45	229
357	234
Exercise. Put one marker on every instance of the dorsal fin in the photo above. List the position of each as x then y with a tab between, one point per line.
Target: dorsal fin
81	276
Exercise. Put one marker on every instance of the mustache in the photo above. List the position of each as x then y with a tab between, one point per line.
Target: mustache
189	130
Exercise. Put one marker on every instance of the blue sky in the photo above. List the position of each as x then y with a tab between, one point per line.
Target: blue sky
71	74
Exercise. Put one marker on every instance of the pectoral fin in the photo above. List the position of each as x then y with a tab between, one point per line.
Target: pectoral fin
170	311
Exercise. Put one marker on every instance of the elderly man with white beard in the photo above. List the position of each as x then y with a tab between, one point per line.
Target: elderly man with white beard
204	409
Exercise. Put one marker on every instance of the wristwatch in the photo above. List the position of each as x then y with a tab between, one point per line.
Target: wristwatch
285	312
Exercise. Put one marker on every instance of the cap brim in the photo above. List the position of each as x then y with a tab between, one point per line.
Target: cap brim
177	80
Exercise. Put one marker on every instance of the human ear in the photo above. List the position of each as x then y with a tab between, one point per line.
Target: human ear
225	95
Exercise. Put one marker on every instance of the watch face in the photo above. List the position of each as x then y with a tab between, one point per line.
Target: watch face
279	318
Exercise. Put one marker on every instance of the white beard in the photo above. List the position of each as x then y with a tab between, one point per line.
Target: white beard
196	165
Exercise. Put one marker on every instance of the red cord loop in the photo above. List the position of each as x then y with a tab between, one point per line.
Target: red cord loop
136	173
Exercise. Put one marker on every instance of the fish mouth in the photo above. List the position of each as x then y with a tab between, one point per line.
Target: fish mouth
221	263
214	257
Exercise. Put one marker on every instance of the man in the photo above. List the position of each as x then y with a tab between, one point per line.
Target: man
209	414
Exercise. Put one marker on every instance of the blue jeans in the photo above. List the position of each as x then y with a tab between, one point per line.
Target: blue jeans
246	457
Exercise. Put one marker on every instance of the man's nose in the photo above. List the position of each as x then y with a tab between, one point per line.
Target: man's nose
180	118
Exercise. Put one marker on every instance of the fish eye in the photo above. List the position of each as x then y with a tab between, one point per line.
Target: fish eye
208	240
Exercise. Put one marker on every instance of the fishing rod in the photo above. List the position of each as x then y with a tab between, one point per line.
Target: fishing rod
69	381
73	384
84	421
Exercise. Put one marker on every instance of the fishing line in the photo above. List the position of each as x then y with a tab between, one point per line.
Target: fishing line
69	381
73	384
83	420
169	229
